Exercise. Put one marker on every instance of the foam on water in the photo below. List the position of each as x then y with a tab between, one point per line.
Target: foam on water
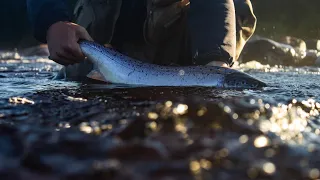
28	75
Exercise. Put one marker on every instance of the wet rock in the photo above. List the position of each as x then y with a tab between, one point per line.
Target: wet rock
182	138
26	174
174	169
317	62
11	145
142	150
38	163
309	59
313	44
9	168
294	42
174	142
76	145
267	51
104	169
219	115
132	129
54	153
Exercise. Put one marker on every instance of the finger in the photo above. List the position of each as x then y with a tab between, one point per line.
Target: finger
56	59
83	34
108	45
76	52
61	59
72	51
73	54
67	54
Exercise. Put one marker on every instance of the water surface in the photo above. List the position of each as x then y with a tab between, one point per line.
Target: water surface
69	129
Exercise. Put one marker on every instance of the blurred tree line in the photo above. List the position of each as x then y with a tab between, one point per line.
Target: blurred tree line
276	18
297	18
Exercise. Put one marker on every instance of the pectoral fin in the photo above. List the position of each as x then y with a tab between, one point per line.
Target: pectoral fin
95	74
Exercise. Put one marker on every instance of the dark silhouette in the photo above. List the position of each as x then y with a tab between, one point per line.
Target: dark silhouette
275	20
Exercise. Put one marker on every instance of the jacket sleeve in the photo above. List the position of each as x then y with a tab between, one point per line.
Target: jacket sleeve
43	13
246	22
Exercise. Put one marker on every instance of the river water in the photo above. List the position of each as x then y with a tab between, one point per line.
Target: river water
57	129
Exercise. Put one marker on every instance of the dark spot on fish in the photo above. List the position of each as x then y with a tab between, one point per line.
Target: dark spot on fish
130	73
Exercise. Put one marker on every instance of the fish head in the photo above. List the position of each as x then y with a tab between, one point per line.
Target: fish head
88	50
104	61
240	80
93	51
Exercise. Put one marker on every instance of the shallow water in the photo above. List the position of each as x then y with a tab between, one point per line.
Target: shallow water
66	129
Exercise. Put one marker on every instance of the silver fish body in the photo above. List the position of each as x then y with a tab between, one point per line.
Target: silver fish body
118	68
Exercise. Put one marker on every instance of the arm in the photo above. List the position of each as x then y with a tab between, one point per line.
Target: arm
43	13
52	24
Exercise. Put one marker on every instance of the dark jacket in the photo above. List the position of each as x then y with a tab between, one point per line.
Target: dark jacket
129	26
43	13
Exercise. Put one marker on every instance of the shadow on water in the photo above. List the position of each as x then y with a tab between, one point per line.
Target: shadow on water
158	93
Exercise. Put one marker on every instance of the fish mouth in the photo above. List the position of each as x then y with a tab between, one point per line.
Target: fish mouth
243	81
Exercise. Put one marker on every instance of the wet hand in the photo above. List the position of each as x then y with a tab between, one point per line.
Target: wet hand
62	39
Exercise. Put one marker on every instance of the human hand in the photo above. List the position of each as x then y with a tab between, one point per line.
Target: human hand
62	39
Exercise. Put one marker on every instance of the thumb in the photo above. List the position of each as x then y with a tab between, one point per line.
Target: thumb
82	33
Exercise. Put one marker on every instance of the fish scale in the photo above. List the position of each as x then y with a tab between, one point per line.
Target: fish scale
114	67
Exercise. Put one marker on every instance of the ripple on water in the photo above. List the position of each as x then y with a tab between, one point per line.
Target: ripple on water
93	130
29	75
